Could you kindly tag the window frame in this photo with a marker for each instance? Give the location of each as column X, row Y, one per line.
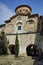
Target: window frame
column 19, row 23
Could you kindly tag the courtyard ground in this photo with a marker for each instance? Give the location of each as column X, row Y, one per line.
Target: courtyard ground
column 21, row 60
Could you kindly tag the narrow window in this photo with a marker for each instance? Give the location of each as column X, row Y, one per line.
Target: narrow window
column 19, row 27
column 20, row 11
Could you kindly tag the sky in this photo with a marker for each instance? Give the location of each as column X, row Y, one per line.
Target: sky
column 7, row 7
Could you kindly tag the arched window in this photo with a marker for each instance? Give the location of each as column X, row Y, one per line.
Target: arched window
column 23, row 9
column 30, row 21
column 31, row 24
column 19, row 27
column 26, row 10
column 20, row 11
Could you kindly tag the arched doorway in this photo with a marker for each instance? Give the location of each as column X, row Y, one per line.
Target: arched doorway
column 32, row 50
column 12, row 48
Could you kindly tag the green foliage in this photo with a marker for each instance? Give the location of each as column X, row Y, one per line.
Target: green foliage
column 16, row 46
column 3, row 43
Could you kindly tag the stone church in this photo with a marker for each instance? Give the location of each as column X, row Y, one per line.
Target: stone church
column 27, row 25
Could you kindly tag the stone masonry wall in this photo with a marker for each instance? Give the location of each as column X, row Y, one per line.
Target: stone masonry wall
column 24, row 41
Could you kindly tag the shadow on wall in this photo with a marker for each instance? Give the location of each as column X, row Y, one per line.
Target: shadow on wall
column 38, row 60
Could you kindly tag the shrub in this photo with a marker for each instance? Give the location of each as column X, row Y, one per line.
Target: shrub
column 3, row 43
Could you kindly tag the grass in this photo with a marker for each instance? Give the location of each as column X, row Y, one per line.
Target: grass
column 11, row 60
column 21, row 60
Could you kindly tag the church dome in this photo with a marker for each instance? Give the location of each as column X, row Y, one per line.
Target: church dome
column 23, row 9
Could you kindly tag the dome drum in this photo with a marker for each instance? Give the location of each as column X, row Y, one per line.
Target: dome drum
column 23, row 9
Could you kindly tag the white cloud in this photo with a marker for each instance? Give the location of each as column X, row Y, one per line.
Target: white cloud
column 5, row 13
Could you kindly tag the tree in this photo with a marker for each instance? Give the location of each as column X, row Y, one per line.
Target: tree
column 16, row 46
column 3, row 43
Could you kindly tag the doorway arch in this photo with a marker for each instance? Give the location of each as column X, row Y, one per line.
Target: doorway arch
column 31, row 50
column 12, row 49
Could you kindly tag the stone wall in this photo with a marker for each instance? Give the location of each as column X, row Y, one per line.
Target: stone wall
column 11, row 27
column 24, row 41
